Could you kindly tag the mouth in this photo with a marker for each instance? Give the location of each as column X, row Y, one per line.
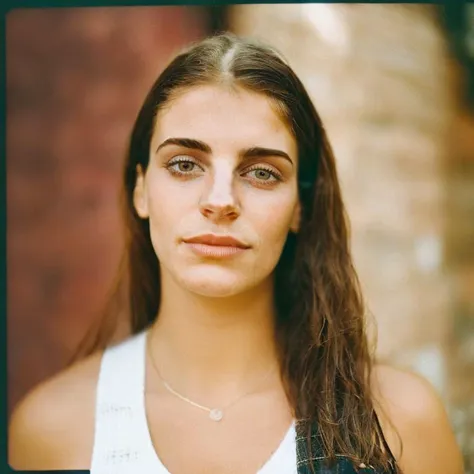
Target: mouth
column 216, row 246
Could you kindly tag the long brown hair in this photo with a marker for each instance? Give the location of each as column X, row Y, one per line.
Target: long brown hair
column 325, row 357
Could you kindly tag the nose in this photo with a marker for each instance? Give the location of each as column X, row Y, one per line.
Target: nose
column 218, row 201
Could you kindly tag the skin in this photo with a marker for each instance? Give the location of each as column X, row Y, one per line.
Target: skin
column 218, row 306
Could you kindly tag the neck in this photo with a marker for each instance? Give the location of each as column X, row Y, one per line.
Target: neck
column 213, row 348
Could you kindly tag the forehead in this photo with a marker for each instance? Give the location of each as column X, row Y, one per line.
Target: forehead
column 221, row 116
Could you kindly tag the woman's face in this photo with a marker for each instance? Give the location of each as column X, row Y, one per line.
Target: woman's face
column 220, row 190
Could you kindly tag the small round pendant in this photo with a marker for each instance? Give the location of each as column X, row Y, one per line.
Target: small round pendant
column 216, row 414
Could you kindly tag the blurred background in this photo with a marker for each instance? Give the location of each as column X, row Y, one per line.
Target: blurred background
column 394, row 85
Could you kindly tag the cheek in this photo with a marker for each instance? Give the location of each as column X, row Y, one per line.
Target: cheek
column 165, row 202
column 272, row 223
column 274, row 231
column 171, row 213
column 164, row 215
column 273, row 212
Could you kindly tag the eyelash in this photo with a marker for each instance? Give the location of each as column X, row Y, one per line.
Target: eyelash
column 175, row 161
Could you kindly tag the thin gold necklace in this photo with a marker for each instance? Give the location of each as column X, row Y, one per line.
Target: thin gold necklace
column 215, row 414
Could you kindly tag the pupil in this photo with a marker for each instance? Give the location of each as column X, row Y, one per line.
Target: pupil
column 185, row 166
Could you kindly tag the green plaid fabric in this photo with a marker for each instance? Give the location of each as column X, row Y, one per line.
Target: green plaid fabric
column 320, row 463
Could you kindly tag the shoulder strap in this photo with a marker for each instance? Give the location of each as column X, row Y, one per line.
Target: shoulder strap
column 122, row 372
column 120, row 435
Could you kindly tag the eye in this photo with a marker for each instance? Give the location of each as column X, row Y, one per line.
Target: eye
column 183, row 165
column 263, row 175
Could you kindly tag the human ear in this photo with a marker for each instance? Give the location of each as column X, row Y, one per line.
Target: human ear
column 139, row 194
column 296, row 218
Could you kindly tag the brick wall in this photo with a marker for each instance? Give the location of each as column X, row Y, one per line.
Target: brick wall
column 459, row 263
column 389, row 94
column 385, row 105
column 75, row 81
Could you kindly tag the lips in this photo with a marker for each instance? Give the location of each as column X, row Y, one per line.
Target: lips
column 217, row 241
column 214, row 247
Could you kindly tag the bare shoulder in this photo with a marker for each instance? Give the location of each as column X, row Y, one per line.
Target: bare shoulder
column 415, row 422
column 53, row 426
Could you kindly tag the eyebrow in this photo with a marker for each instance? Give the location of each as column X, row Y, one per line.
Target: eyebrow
column 253, row 152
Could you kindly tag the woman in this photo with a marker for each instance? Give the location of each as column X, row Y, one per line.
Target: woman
column 248, row 351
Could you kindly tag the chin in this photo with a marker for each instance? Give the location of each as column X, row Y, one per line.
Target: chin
column 216, row 282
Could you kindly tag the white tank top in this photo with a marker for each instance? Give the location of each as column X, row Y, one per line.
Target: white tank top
column 122, row 441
